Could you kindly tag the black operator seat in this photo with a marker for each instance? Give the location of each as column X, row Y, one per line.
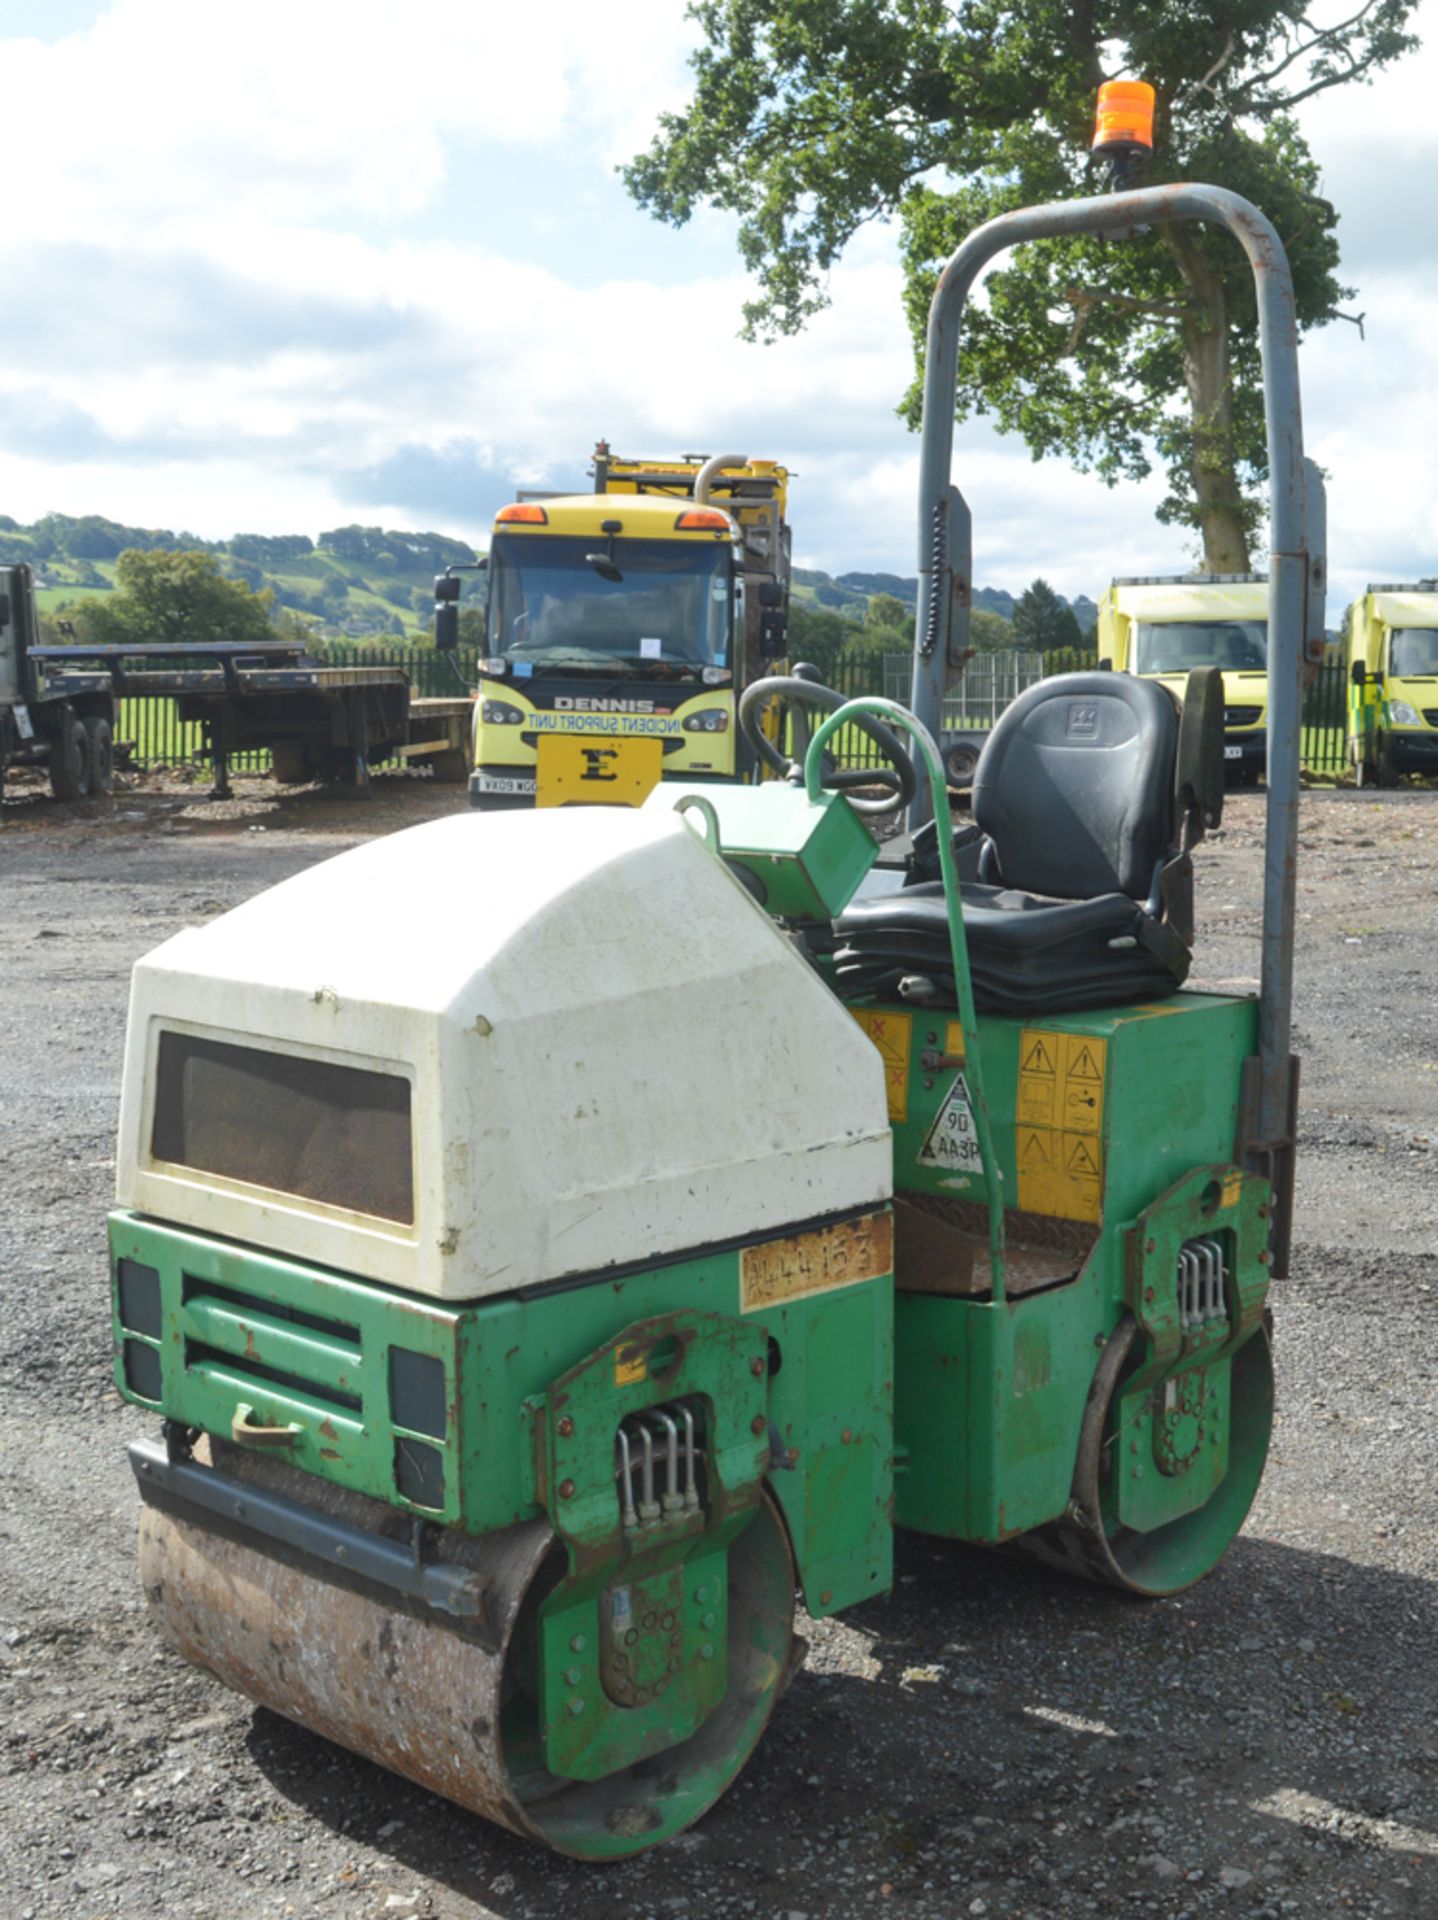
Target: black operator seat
column 1090, row 793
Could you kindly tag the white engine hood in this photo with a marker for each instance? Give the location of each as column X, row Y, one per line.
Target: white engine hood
column 614, row 1056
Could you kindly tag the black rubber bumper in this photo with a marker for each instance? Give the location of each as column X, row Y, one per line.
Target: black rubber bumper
column 1252, row 755
column 1415, row 752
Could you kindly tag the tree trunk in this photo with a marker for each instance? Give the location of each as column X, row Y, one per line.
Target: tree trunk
column 1212, row 463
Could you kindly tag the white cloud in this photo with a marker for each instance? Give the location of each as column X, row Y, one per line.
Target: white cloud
column 175, row 112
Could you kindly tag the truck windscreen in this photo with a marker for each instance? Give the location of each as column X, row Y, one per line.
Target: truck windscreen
column 572, row 602
column 1413, row 652
column 1174, row 646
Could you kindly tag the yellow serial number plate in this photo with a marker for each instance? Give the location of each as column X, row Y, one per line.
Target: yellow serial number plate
column 818, row 1262
column 576, row 769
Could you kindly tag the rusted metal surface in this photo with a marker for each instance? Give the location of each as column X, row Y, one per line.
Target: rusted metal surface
column 414, row 1695
column 943, row 1247
column 437, row 1705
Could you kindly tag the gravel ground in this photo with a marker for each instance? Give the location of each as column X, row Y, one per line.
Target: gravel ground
column 988, row 1739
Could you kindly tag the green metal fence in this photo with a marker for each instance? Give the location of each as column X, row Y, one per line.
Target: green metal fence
column 1325, row 719
column 159, row 738
column 1325, row 704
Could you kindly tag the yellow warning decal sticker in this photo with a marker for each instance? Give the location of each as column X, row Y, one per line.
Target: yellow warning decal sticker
column 892, row 1034
column 818, row 1262
column 954, row 1039
column 1058, row 1140
column 630, row 1366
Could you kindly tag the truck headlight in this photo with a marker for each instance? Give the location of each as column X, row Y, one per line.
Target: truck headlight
column 708, row 720
column 499, row 713
column 1403, row 715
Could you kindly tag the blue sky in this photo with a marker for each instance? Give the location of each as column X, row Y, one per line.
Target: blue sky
column 273, row 267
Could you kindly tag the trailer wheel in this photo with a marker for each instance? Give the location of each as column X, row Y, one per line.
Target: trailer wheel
column 353, row 772
column 290, row 763
column 101, row 741
column 70, row 760
column 960, row 764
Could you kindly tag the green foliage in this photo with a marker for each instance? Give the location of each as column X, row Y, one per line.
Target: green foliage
column 886, row 611
column 866, row 630
column 391, row 551
column 270, row 549
column 990, row 632
column 174, row 599
column 812, row 117
column 290, row 626
column 93, row 537
column 815, row 633
column 369, row 581
column 891, row 583
column 1081, row 659
column 471, row 628
column 1042, row 622
column 825, row 639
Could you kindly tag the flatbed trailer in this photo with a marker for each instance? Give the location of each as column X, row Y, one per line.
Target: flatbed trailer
column 316, row 721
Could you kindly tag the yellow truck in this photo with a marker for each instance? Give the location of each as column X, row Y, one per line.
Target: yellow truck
column 620, row 627
column 1162, row 627
column 1392, row 651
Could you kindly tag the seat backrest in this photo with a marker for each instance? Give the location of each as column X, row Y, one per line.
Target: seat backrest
column 1075, row 786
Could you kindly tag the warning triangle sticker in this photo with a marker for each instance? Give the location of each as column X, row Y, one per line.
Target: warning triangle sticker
column 1035, row 1151
column 1083, row 1066
column 952, row 1141
column 1082, row 1159
column 1038, row 1059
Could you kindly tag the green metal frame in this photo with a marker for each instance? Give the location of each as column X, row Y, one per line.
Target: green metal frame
column 830, row 1402
column 806, row 854
column 897, row 716
column 991, row 1389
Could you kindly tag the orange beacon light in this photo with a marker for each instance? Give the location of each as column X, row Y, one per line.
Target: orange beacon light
column 1123, row 129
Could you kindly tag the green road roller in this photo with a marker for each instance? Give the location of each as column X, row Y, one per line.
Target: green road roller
column 551, row 1243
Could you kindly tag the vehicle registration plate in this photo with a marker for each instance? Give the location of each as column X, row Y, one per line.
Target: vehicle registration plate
column 1233, row 753
column 504, row 782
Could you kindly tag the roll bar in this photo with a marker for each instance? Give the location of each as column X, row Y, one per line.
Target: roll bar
column 1295, row 576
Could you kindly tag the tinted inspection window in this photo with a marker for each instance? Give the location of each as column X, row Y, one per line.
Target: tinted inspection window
column 339, row 1135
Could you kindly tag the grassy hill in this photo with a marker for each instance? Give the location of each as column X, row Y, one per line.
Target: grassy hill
column 850, row 594
column 356, row 582
column 353, row 582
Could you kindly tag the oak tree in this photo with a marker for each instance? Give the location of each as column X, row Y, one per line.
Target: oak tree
column 812, row 117
column 175, row 599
